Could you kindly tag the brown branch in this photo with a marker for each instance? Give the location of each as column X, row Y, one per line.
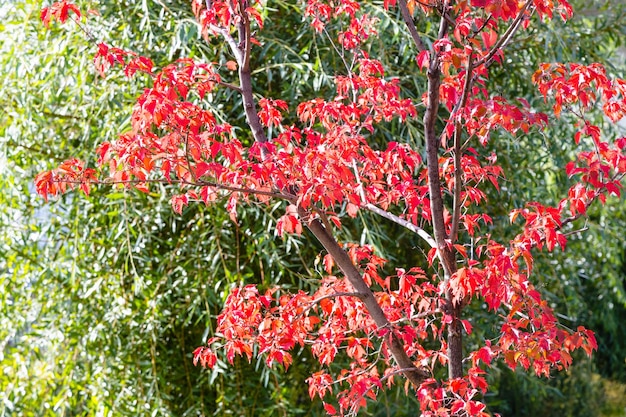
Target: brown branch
column 432, row 157
column 245, row 81
column 412, row 373
column 283, row 196
column 90, row 36
column 506, row 36
column 232, row 43
column 336, row 294
column 458, row 171
column 390, row 216
column 446, row 255
column 410, row 24
column 228, row 85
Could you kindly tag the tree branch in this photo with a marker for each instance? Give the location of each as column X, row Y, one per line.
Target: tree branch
column 402, row 222
column 458, row 171
column 410, row 24
column 390, row 216
column 245, row 81
column 283, row 196
column 446, row 255
column 232, row 43
column 412, row 373
column 505, row 38
column 432, row 157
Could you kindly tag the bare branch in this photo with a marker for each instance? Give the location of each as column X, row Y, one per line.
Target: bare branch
column 232, row 43
column 229, row 86
column 458, row 171
column 390, row 216
column 334, row 295
column 402, row 222
column 575, row 232
column 410, row 24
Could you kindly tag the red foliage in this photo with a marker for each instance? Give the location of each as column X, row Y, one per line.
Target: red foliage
column 325, row 168
column 59, row 10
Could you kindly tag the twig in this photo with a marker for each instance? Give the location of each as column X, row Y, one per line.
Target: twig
column 402, row 222
column 458, row 171
column 574, row 232
column 506, row 36
column 390, row 216
column 289, row 197
column 228, row 85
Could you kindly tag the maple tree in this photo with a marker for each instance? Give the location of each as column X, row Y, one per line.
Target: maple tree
column 326, row 167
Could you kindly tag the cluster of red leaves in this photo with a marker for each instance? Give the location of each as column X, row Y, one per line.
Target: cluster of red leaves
column 225, row 14
column 107, row 56
column 67, row 176
column 59, row 11
column 325, row 167
column 330, row 321
column 571, row 84
column 603, row 167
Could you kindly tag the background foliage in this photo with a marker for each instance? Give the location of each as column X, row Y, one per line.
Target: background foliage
column 104, row 298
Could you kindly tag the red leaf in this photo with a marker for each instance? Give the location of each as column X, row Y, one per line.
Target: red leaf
column 330, row 409
column 423, row 59
column 467, row 326
column 328, row 262
column 59, row 10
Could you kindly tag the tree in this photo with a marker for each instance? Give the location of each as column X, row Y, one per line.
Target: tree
column 327, row 163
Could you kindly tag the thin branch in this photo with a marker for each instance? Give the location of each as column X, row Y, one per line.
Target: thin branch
column 312, row 303
column 289, row 197
column 575, row 232
column 336, row 294
column 506, row 36
column 85, row 31
column 418, row 316
column 191, row 171
column 458, row 171
column 616, row 177
column 393, row 373
column 228, row 85
column 390, row 216
column 232, row 43
column 402, row 222
column 410, row 24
